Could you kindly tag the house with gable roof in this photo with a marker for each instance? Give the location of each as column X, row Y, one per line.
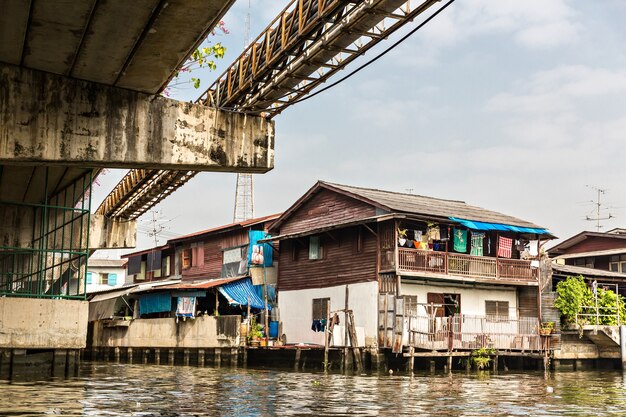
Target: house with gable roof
column 413, row 270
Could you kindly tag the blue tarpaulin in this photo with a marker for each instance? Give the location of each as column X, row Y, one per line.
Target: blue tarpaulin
column 476, row 225
column 259, row 253
column 155, row 303
column 238, row 292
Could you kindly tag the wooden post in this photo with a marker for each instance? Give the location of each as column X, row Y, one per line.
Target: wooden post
column 354, row 342
column 116, row 353
column 146, row 354
column 432, row 366
column 327, row 335
column 170, row 356
column 186, row 357
column 450, row 364
column 267, row 324
column 296, row 363
column 345, row 330
column 495, row 363
column 157, row 356
column 130, row 355
column 411, row 359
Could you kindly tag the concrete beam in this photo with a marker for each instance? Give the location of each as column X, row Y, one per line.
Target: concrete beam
column 105, row 233
column 46, row 118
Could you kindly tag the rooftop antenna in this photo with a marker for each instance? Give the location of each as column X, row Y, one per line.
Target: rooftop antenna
column 598, row 204
column 244, row 193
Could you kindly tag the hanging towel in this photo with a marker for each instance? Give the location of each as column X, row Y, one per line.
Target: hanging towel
column 504, row 247
column 460, row 240
column 433, row 233
column 489, row 245
column 186, row 307
column 477, row 244
column 417, row 235
column 444, row 233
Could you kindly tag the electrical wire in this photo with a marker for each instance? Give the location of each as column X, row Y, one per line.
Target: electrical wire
column 352, row 73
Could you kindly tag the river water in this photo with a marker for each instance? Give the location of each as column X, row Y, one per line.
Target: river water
column 104, row 389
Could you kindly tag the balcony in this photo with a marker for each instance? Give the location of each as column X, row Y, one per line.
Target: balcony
column 458, row 265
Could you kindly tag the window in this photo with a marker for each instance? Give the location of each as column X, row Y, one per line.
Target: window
column 103, row 278
column 315, row 251
column 618, row 263
column 89, row 277
column 320, row 308
column 142, row 272
column 585, row 262
column 410, row 305
column 359, row 241
column 112, row 279
column 165, row 266
column 186, row 257
column 497, row 310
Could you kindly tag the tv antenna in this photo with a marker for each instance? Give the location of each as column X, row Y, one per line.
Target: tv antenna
column 598, row 204
column 244, row 192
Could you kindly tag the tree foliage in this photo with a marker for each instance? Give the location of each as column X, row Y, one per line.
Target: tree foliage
column 575, row 297
column 203, row 57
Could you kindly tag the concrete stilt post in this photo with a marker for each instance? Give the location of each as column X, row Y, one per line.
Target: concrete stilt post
column 622, row 344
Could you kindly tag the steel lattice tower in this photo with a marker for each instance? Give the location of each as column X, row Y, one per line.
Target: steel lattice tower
column 244, row 198
column 244, row 194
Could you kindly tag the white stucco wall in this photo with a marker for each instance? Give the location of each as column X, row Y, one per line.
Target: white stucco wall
column 472, row 299
column 296, row 310
column 97, row 270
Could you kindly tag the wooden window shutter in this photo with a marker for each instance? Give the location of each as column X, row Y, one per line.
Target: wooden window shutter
column 200, row 254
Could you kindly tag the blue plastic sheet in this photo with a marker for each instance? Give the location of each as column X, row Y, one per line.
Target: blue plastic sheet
column 239, row 292
column 259, row 253
column 155, row 303
column 476, row 225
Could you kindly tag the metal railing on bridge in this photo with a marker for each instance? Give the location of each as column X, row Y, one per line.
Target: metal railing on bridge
column 308, row 42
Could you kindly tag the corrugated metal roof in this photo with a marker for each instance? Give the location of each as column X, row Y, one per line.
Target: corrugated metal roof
column 223, row 228
column 108, row 263
column 605, row 252
column 417, row 204
column 579, row 270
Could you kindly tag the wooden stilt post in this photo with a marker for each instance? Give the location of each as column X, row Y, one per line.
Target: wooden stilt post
column 450, row 364
column 411, row 359
column 327, row 335
column 354, row 342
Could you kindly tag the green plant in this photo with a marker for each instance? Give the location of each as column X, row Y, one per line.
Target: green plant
column 573, row 294
column 256, row 329
column 547, row 327
column 481, row 358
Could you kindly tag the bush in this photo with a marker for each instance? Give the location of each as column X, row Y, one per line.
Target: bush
column 574, row 295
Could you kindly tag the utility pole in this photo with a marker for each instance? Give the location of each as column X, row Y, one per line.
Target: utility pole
column 598, row 205
column 157, row 228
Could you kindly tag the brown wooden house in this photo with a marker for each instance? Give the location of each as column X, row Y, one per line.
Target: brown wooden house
column 598, row 250
column 387, row 256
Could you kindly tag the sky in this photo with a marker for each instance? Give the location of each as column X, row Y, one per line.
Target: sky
column 514, row 106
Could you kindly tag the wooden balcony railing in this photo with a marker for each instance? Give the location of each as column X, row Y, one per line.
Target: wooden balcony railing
column 455, row 264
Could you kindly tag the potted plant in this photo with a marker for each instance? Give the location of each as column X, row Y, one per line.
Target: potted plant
column 546, row 328
column 401, row 236
column 256, row 332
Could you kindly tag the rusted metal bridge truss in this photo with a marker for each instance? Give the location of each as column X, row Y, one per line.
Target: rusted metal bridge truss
column 305, row 45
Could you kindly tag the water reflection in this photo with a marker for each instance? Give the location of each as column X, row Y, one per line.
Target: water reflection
column 151, row 390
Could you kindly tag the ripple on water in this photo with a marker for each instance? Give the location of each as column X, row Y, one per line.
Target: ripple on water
column 150, row 390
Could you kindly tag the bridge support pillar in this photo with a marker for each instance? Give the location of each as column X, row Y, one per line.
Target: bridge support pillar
column 622, row 345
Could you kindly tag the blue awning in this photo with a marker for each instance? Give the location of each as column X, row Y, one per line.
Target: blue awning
column 238, row 293
column 476, row 225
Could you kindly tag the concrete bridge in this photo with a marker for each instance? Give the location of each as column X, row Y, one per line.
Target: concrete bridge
column 79, row 91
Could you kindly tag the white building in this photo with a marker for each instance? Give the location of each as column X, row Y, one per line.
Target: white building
column 105, row 274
